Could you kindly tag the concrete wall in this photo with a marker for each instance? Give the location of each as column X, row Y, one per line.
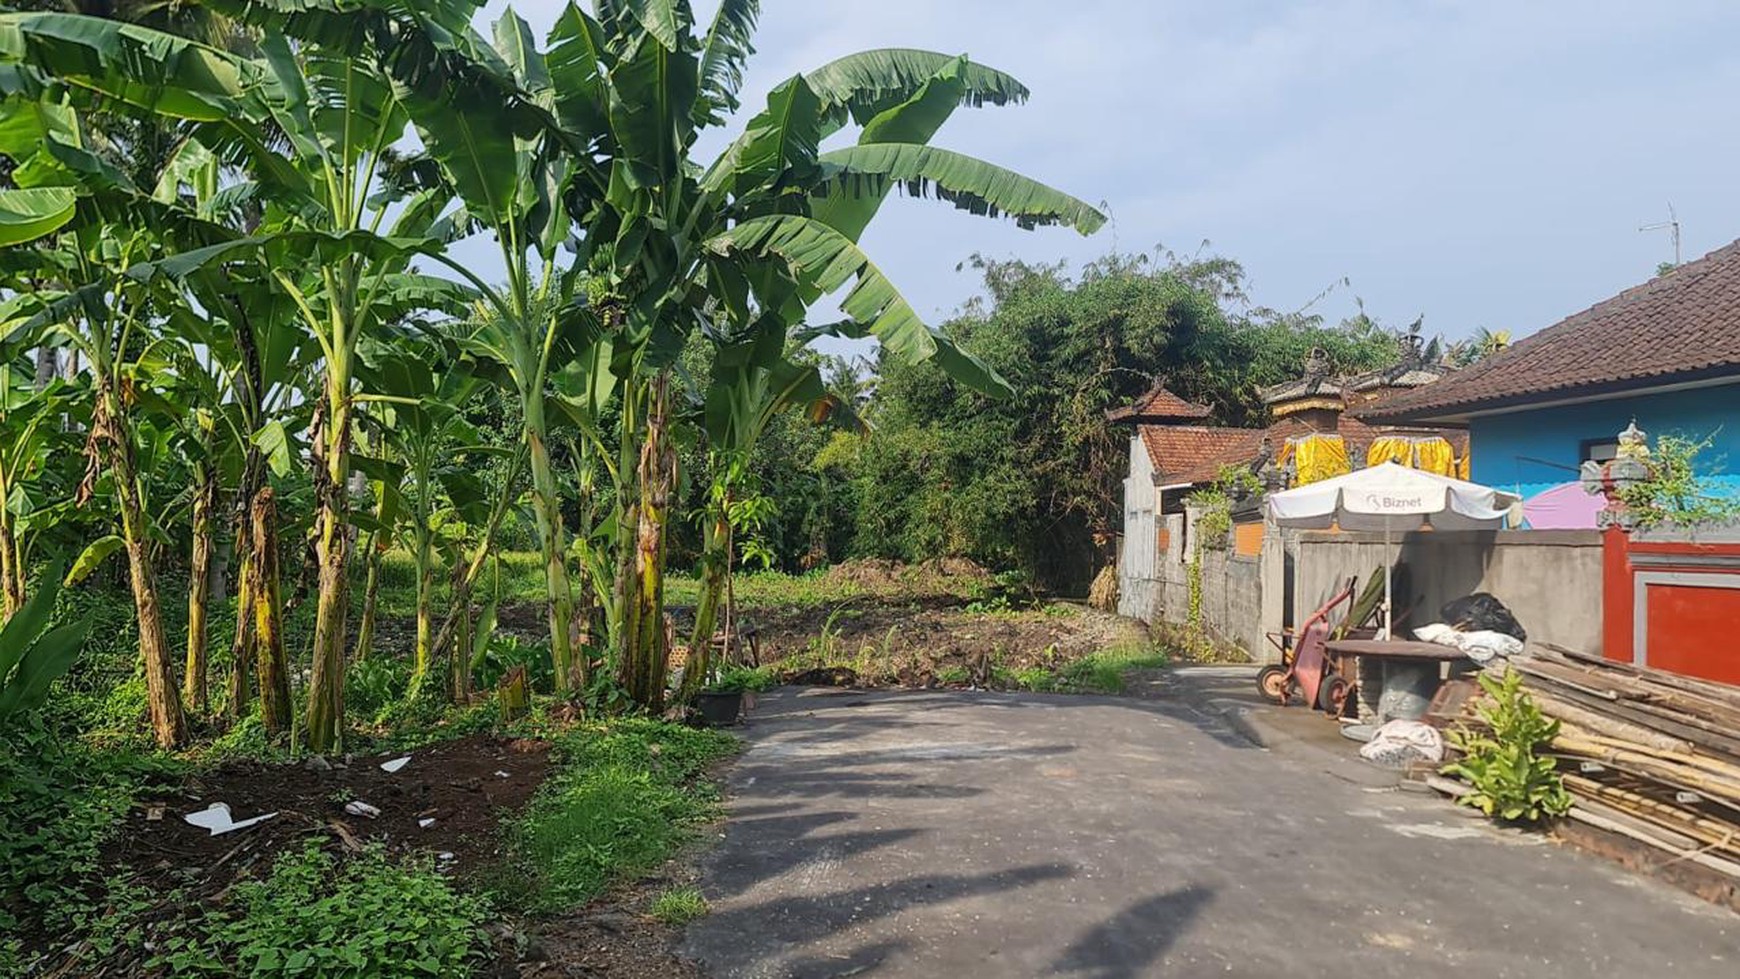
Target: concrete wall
column 1232, row 598
column 1136, row 551
column 1232, row 590
column 1550, row 579
column 1537, row 446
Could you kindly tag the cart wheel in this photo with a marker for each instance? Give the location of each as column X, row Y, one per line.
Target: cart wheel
column 1332, row 695
column 1276, row 683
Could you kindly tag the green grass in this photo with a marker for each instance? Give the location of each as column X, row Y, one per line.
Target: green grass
column 521, row 580
column 628, row 795
column 1103, row 672
column 679, row 906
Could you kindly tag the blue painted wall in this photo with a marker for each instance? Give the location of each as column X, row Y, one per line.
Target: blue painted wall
column 1545, row 445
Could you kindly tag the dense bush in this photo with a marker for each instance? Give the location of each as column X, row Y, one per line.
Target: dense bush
column 1035, row 481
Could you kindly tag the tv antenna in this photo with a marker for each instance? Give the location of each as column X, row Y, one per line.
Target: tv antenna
column 1671, row 226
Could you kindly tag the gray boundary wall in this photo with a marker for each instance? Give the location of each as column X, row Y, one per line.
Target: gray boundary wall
column 1550, row 579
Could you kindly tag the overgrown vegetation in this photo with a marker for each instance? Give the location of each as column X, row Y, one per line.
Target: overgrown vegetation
column 1508, row 778
column 1676, row 490
column 317, row 915
column 1035, row 481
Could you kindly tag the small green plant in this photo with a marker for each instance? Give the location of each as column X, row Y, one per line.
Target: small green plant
column 679, row 906
column 315, row 915
column 506, row 651
column 736, row 678
column 1103, row 671
column 371, row 685
column 1510, row 781
column 34, row 652
column 953, row 676
column 1675, row 492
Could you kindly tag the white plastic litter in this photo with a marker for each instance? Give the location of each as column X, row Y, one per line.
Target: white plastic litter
column 1480, row 646
column 216, row 819
column 1437, row 632
column 501, row 774
column 361, row 808
column 397, row 763
column 1399, row 742
column 425, row 823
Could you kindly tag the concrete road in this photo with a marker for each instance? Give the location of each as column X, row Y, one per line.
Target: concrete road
column 963, row 835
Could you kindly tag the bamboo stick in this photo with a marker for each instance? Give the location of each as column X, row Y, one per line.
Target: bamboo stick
column 1595, row 819
column 1716, row 835
column 1600, row 724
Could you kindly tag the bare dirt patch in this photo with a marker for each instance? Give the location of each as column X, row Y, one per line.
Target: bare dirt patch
column 465, row 786
column 933, row 642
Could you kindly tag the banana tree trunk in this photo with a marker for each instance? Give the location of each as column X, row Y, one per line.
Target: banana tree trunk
column 113, row 440
column 715, row 569
column 365, row 630
column 425, row 557
column 645, row 657
column 266, row 604
column 547, row 508
column 459, row 655
column 242, row 645
column 332, row 554
column 194, row 684
column 11, row 578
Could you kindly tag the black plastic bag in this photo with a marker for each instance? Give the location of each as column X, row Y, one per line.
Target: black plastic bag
column 1481, row 612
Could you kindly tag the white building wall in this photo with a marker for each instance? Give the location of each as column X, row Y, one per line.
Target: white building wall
column 1137, row 592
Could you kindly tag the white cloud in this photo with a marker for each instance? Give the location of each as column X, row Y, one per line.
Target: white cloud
column 1486, row 163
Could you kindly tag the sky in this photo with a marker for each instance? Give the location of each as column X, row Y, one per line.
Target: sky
column 1483, row 164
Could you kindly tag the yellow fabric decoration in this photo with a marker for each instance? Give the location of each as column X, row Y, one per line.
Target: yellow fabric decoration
column 1390, row 448
column 1463, row 465
column 1435, row 456
column 1319, row 457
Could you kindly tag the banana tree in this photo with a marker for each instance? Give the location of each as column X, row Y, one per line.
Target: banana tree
column 671, row 247
column 752, row 382
column 315, row 131
column 35, row 482
column 427, row 480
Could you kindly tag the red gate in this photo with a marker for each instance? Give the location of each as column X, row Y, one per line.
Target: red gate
column 1673, row 604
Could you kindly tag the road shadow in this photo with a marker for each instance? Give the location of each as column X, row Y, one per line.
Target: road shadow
column 1124, row 946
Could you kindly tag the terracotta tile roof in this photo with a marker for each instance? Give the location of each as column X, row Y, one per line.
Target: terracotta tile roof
column 1676, row 327
column 1159, row 404
column 1356, row 434
column 1174, row 449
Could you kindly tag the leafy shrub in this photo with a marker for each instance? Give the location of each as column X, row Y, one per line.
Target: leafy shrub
column 507, row 651
column 62, row 803
column 317, row 916
column 371, row 685
column 734, row 678
column 1509, row 780
column 1675, row 491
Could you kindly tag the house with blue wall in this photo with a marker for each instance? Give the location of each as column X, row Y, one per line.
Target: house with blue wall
column 1665, row 354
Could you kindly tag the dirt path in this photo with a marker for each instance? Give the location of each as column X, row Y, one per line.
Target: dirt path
column 1006, row 835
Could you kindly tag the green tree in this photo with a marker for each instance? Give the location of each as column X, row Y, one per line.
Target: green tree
column 1035, row 481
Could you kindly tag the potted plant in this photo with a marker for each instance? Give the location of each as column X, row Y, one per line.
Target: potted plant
column 731, row 692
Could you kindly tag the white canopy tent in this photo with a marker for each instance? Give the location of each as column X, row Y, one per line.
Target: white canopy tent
column 1389, row 497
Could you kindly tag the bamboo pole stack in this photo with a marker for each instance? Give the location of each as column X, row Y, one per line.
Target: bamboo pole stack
column 1649, row 755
